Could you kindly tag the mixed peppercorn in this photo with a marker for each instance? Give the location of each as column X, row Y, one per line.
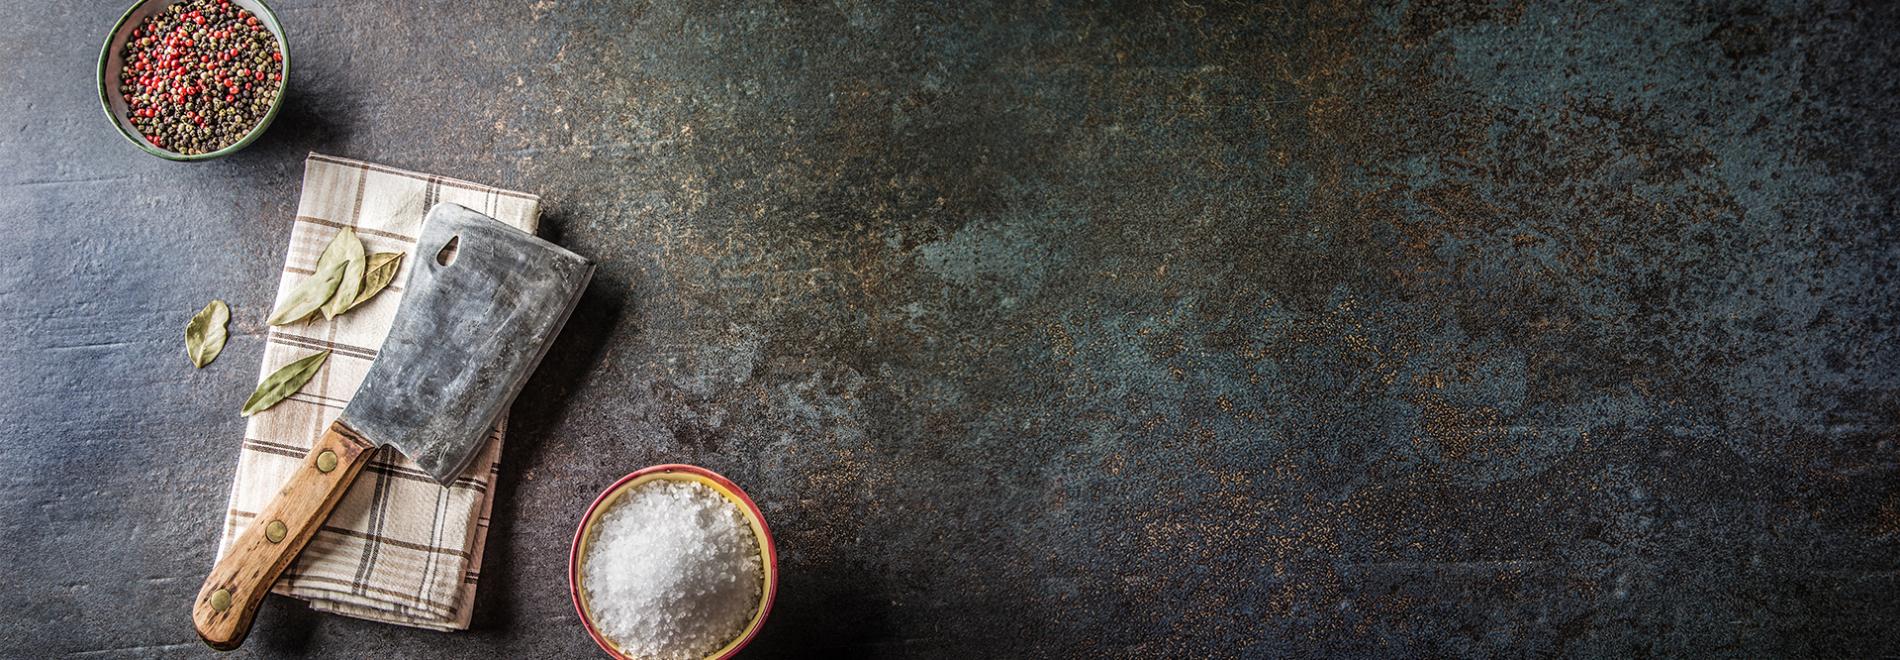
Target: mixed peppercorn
column 199, row 75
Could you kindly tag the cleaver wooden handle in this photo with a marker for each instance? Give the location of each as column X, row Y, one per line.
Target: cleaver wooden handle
column 230, row 596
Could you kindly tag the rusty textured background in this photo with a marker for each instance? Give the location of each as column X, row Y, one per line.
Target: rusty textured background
column 1147, row 329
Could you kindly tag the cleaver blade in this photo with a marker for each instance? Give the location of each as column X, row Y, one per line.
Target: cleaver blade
column 483, row 302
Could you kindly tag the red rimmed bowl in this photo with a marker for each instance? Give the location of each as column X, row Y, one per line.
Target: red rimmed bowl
column 768, row 553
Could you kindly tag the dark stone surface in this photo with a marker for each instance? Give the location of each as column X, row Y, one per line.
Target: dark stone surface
column 1444, row 328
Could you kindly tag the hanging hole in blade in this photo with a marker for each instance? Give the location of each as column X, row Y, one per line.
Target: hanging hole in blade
column 446, row 255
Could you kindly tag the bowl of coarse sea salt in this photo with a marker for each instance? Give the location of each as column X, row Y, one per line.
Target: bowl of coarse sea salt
column 673, row 562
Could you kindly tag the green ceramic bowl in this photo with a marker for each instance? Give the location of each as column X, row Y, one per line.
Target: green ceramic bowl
column 114, row 103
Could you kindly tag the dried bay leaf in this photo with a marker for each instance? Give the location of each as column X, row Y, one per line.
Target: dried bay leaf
column 284, row 382
column 308, row 295
column 351, row 253
column 205, row 333
column 382, row 270
column 317, row 289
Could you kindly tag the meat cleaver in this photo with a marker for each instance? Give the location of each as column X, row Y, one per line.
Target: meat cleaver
column 483, row 302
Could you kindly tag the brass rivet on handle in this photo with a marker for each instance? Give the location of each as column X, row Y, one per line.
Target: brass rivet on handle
column 221, row 600
column 275, row 531
column 326, row 461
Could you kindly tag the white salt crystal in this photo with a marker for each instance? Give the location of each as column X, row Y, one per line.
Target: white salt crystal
column 672, row 571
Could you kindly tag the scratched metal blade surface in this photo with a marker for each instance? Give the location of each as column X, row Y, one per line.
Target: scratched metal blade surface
column 466, row 337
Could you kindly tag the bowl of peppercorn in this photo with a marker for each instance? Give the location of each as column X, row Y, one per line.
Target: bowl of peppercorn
column 194, row 79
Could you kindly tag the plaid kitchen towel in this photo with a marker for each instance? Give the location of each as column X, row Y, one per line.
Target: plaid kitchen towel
column 399, row 548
